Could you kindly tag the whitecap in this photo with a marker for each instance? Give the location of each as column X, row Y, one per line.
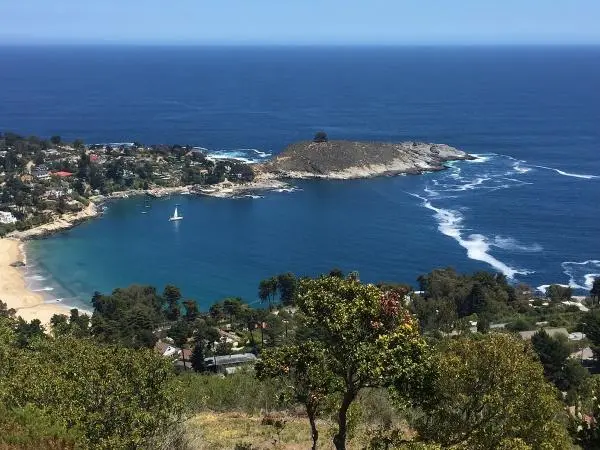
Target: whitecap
column 508, row 243
column 517, row 167
column 481, row 158
column 247, row 155
column 581, row 274
column 569, row 174
column 261, row 153
column 47, row 288
column 477, row 246
column 253, row 196
column 544, row 287
column 37, row 278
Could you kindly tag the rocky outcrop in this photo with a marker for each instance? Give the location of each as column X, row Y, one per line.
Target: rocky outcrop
column 345, row 159
column 61, row 223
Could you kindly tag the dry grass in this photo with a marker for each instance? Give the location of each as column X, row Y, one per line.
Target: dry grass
column 209, row 430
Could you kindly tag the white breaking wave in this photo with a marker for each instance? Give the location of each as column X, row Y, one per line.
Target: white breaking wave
column 481, row 158
column 520, row 169
column 581, row 274
column 261, row 154
column 544, row 287
column 37, row 278
column 508, row 243
column 248, row 196
column 247, row 155
column 569, row 174
column 48, row 288
column 477, row 246
column 288, row 189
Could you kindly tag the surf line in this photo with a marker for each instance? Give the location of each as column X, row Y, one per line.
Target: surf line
column 567, row 174
column 477, row 245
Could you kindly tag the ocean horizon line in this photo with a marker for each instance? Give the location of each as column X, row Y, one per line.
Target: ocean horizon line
column 302, row 45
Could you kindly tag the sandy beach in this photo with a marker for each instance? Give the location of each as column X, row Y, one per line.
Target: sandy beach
column 13, row 290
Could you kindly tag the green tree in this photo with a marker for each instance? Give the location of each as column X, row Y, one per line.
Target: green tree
column 180, row 332
column 197, row 358
column 304, row 371
column 116, row 397
column 267, row 290
column 320, row 136
column 191, row 309
column 56, row 140
column 287, row 284
column 553, row 353
column 172, row 295
column 590, row 325
column 216, row 311
column 28, row 333
column 204, row 337
column 5, row 311
column 488, row 391
column 595, row 291
column 337, row 273
column 368, row 338
column 558, row 293
column 78, row 144
column 129, row 316
column 483, row 324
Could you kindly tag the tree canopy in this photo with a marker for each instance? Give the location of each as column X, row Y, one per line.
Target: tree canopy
column 320, row 136
column 366, row 337
column 112, row 397
column 487, row 392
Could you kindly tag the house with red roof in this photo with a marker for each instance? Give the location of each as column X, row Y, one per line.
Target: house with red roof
column 62, row 174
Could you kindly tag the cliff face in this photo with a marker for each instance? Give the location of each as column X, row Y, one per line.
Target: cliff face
column 345, row 159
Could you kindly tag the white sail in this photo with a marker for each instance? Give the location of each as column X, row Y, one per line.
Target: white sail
column 176, row 215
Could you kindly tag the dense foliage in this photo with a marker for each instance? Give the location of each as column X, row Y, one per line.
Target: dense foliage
column 87, row 394
column 350, row 354
column 360, row 337
column 487, row 392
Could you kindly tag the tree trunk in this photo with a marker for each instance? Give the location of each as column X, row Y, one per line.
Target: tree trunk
column 339, row 440
column 313, row 426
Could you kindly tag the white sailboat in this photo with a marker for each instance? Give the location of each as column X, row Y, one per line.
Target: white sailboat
column 175, row 216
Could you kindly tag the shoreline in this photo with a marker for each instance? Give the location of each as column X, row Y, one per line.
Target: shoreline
column 14, row 291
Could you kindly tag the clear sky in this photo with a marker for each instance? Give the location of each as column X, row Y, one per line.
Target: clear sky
column 301, row 21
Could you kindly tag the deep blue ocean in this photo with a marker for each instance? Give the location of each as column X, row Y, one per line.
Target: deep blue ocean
column 529, row 207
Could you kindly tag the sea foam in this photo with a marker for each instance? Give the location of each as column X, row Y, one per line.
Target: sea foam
column 581, row 274
column 450, row 223
column 569, row 174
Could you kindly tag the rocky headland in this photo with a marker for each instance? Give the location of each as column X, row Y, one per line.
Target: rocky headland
column 346, row 159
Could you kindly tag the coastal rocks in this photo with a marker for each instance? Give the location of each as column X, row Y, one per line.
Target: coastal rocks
column 17, row 264
column 346, row 160
column 166, row 191
column 61, row 223
column 227, row 189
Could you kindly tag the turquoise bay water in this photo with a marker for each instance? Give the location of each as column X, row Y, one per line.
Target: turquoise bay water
column 528, row 208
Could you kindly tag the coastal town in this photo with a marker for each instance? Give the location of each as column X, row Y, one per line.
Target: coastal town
column 47, row 184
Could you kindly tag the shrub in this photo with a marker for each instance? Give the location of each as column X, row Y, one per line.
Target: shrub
column 320, row 136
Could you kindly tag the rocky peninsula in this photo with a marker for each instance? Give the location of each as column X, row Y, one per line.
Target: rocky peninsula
column 346, row 159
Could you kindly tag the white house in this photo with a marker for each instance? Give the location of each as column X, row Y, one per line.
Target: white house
column 7, row 217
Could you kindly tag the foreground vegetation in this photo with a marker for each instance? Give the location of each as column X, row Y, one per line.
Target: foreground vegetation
column 341, row 364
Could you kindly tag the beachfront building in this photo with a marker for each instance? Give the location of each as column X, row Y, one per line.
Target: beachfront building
column 7, row 217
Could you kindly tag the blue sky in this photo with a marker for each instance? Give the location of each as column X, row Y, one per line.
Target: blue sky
column 301, row 21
